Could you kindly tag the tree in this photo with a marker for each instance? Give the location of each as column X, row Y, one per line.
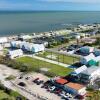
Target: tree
column 97, row 41
column 24, row 68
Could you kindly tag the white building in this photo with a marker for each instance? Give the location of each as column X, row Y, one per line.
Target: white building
column 7, row 45
column 90, row 73
column 3, row 40
column 86, row 59
column 97, row 58
column 25, row 37
column 15, row 44
column 34, row 48
column 15, row 53
column 79, row 70
column 26, row 46
column 1, row 47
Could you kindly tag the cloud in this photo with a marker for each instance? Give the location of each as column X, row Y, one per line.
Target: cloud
column 73, row 1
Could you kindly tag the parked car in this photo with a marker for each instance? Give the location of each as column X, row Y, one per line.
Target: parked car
column 57, row 91
column 20, row 77
column 35, row 80
column 27, row 78
column 51, row 88
column 79, row 97
column 22, row 84
column 39, row 82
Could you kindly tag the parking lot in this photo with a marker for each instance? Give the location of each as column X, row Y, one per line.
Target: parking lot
column 32, row 83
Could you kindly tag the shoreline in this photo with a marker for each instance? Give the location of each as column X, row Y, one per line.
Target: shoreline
column 55, row 30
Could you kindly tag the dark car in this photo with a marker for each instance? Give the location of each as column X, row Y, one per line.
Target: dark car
column 35, row 80
column 39, row 82
column 22, row 84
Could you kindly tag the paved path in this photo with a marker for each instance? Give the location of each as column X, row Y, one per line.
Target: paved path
column 47, row 60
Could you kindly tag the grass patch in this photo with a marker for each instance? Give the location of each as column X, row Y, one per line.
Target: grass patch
column 59, row 57
column 11, row 77
column 12, row 96
column 37, row 64
column 4, row 95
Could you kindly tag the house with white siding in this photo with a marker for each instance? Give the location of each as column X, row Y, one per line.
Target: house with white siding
column 15, row 53
column 15, row 44
column 3, row 40
column 86, row 59
column 90, row 74
column 79, row 70
column 25, row 37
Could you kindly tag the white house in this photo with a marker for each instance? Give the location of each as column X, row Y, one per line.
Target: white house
column 7, row 45
column 26, row 46
column 86, row 59
column 3, row 40
column 97, row 58
column 32, row 47
column 15, row 53
column 15, row 44
column 79, row 70
column 25, row 37
column 37, row 48
column 91, row 73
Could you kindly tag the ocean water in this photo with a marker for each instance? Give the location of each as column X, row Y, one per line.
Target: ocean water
column 12, row 23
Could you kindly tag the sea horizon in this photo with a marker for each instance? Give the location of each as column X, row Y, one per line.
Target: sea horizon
column 16, row 22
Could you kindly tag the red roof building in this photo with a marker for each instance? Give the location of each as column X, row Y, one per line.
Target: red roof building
column 61, row 81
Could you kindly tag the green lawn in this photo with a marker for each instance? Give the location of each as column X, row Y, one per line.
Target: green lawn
column 3, row 95
column 52, row 68
column 60, row 57
column 11, row 96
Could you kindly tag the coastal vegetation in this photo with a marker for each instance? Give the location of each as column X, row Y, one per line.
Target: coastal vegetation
column 8, row 94
column 93, row 95
column 54, row 42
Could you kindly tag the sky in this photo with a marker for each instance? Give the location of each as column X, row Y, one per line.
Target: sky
column 65, row 5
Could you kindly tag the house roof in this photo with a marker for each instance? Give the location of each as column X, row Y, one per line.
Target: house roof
column 89, row 57
column 61, row 81
column 75, row 86
column 90, row 70
column 14, row 52
column 80, row 69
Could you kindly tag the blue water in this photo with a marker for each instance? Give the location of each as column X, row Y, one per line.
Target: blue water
column 29, row 22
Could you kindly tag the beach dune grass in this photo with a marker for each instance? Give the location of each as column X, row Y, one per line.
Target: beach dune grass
column 53, row 68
